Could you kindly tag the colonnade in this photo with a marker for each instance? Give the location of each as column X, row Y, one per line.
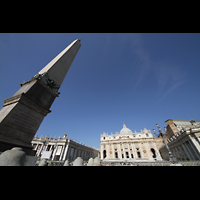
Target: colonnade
column 63, row 149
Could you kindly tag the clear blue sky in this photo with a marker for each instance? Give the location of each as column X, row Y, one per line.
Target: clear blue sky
column 138, row 79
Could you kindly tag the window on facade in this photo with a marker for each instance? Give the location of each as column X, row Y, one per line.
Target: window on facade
column 127, row 155
column 116, row 155
column 147, row 135
column 104, row 138
column 104, row 153
column 131, row 155
column 138, row 153
column 122, row 155
column 154, row 153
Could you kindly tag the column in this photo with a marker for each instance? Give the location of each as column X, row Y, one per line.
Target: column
column 54, row 152
column 195, row 146
column 46, row 147
column 179, row 155
column 101, row 151
column 65, row 152
column 124, row 151
column 41, row 149
column 140, row 148
column 196, row 143
column 119, row 151
column 81, row 153
column 107, row 151
column 62, row 151
column 129, row 151
column 147, row 147
column 113, row 151
column 189, row 151
column 183, row 152
column 71, row 153
column 84, row 155
column 174, row 152
column 36, row 146
column 186, row 151
column 192, row 149
column 68, row 153
column 77, row 153
column 74, row 156
column 134, row 152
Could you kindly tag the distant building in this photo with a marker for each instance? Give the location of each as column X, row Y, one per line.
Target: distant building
column 183, row 139
column 127, row 145
column 62, row 149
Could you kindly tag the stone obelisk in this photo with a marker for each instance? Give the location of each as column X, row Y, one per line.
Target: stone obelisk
column 23, row 113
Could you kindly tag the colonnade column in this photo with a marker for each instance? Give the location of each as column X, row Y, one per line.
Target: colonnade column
column 182, row 152
column 188, row 151
column 54, row 152
column 194, row 147
column 40, row 149
column 65, row 153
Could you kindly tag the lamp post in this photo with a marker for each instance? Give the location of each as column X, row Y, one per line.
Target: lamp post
column 172, row 158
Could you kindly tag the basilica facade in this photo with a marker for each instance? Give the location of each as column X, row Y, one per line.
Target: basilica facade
column 127, row 145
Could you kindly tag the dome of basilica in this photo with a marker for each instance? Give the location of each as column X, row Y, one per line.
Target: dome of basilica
column 125, row 130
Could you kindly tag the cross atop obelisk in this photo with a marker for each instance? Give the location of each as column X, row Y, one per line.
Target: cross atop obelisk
column 23, row 113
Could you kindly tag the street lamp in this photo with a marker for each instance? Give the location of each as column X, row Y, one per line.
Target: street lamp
column 172, row 158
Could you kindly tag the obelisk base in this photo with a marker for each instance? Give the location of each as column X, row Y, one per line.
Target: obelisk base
column 22, row 115
column 8, row 145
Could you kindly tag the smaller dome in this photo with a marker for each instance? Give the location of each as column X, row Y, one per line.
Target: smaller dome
column 125, row 130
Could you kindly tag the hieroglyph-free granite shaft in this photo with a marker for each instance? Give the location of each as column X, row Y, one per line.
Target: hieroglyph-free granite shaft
column 23, row 113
